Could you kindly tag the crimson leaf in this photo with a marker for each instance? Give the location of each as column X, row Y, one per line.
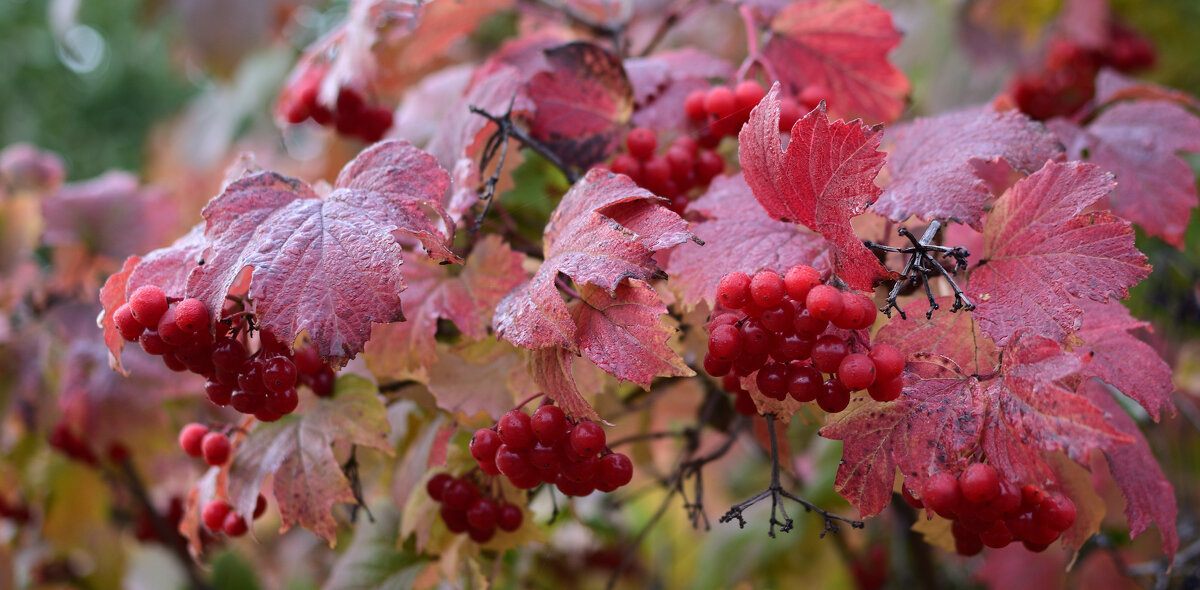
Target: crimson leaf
column 934, row 164
column 841, row 45
column 825, row 177
column 1121, row 359
column 661, row 82
column 1139, row 143
column 1041, row 249
column 329, row 266
column 738, row 236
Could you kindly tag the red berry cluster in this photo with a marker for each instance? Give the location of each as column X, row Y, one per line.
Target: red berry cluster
column 682, row 167
column 219, row 517
column 989, row 511
column 550, row 448
column 262, row 383
column 466, row 510
column 723, row 110
column 198, row 441
column 786, row 329
column 1067, row 79
column 353, row 116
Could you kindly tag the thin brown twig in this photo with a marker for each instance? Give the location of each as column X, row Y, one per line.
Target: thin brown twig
column 171, row 538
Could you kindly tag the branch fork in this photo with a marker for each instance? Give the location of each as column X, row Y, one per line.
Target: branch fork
column 921, row 264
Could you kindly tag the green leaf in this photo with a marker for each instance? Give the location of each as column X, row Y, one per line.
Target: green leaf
column 373, row 561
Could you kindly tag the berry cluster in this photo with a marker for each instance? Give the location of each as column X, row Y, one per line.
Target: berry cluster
column 1067, row 78
column 988, row 511
column 352, row 116
column 198, row 441
column 723, row 110
column 262, row 383
column 791, row 330
column 466, row 510
column 550, row 448
column 218, row 516
column 682, row 167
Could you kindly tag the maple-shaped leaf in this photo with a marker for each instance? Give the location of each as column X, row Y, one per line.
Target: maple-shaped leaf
column 842, row 46
column 330, row 266
column 934, row 163
column 583, row 102
column 485, row 376
column 465, row 295
column 603, row 235
column 111, row 215
column 955, row 336
column 296, row 449
column 1120, row 359
column 1149, row 495
column 825, row 177
column 1139, row 142
column 661, row 82
column 738, row 236
column 1014, row 414
column 1041, row 249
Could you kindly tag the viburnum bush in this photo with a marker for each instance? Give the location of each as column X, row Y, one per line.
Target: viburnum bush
column 558, row 306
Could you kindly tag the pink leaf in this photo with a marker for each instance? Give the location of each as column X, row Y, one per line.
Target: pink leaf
column 661, row 82
column 328, row 266
column 111, row 215
column 1139, row 143
column 1121, row 359
column 551, row 369
column 738, row 236
column 841, row 45
column 955, row 336
column 825, row 177
column 934, row 164
column 113, row 295
column 1041, row 249
column 622, row 334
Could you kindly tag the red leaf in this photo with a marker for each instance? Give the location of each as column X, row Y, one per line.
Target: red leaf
column 113, row 295
column 603, row 233
column 622, row 334
column 934, row 164
column 1121, row 359
column 955, row 336
column 168, row 268
column 111, row 215
column 329, row 266
column 1149, row 496
column 738, row 236
column 308, row 478
column 583, row 102
column 467, row 297
column 825, row 177
column 1138, row 142
column 841, row 45
column 661, row 82
column 1112, row 87
column 1041, row 249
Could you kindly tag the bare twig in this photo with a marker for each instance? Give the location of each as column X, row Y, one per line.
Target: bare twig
column 776, row 493
column 921, row 264
column 350, row 468
column 510, row 128
column 170, row 538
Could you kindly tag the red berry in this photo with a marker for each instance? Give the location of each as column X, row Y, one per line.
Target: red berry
column 459, row 494
column 656, row 173
column 169, row 331
column 811, row 96
column 217, row 393
column 454, row 518
column 908, row 496
column 966, row 543
column 513, row 462
column 744, row 404
column 996, row 535
column 148, row 304
column 725, row 343
column 214, row 514
column 889, row 361
column 615, row 470
column 693, row 106
column 549, row 423
column 587, row 438
column 808, row 326
column 858, row 312
column 191, row 439
column 436, row 485
column 942, row 495
column 279, row 374
column 756, row 340
column 191, row 315
column 799, row 280
column 834, row 397
column 641, row 143
column 1056, row 512
column 126, row 324
column 708, row 165
column 789, row 113
column 235, row 525
column 510, row 517
column 766, row 289
column 748, row 94
column 683, row 164
column 484, row 444
column 247, row 402
column 979, row 483
column 516, row 429
column 260, row 506
column 804, row 382
column 734, row 290
column 828, row 352
column 627, row 165
column 824, row 302
column 792, row 347
column 482, row 514
column 856, row 371
column 716, row 367
column 228, row 354
column 307, row 361
column 215, row 447
column 886, row 390
column 720, row 102
column 282, row 402
column 772, row 380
